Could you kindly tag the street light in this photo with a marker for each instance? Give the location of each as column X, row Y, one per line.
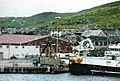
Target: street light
column 57, row 35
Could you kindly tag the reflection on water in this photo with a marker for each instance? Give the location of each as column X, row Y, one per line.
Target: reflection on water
column 55, row 77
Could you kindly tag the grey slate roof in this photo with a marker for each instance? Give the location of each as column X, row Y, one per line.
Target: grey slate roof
column 88, row 33
column 112, row 32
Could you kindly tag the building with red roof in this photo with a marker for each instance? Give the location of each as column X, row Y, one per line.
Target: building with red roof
column 18, row 39
column 22, row 45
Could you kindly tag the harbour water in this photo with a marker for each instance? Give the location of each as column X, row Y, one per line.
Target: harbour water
column 55, row 77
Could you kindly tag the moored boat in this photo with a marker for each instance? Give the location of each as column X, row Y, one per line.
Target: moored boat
column 109, row 64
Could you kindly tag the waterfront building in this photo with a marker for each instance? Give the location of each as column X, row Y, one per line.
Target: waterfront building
column 18, row 51
column 21, row 46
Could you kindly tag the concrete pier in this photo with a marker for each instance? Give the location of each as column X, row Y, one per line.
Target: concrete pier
column 31, row 70
column 26, row 67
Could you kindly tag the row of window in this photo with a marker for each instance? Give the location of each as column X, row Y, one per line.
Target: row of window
column 16, row 46
column 25, row 55
column 103, row 43
column 114, row 49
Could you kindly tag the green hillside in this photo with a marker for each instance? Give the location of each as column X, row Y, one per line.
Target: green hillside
column 34, row 21
column 104, row 16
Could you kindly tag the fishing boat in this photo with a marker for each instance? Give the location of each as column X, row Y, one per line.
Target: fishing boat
column 82, row 64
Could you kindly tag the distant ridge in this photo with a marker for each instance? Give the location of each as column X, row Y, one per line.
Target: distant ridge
column 104, row 16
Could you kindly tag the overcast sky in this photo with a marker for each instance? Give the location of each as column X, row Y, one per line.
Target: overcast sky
column 31, row 7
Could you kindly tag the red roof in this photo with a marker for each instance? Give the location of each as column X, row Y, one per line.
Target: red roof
column 18, row 39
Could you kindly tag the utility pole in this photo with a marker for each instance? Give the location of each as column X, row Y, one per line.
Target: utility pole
column 57, row 35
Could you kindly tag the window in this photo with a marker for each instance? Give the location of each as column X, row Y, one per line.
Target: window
column 100, row 43
column 96, row 43
column 16, row 46
column 36, row 46
column 22, row 54
column 23, row 47
column 16, row 54
column 105, row 43
column 112, row 42
column 0, row 46
column 7, row 46
column 108, row 61
column 112, row 49
column 116, row 49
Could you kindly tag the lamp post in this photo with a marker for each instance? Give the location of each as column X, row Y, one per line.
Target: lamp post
column 57, row 35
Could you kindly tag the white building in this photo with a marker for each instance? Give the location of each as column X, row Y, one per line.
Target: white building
column 7, row 51
column 55, row 33
column 88, row 33
column 19, row 46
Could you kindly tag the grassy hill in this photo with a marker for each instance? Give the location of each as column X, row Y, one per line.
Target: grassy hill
column 33, row 21
column 104, row 16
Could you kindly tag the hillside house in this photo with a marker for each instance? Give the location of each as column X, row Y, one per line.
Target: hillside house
column 55, row 33
column 101, row 38
column 89, row 33
column 68, row 31
column 112, row 32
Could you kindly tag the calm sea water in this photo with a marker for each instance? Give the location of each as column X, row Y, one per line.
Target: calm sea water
column 55, row 77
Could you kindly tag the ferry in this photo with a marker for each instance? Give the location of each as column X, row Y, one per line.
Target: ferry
column 109, row 64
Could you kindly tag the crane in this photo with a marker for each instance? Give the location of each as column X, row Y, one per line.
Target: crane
column 84, row 45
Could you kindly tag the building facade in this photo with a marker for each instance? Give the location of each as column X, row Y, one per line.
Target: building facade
column 21, row 46
column 18, row 51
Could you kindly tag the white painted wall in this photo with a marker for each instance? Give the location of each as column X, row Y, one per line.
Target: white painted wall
column 100, row 61
column 18, row 51
column 55, row 33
